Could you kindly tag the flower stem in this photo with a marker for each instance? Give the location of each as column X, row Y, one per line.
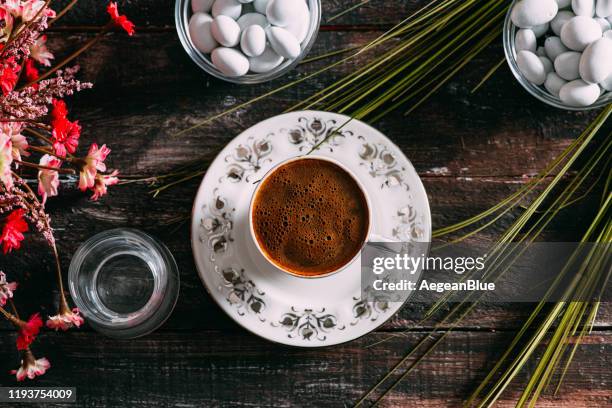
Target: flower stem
column 40, row 166
column 64, row 11
column 11, row 318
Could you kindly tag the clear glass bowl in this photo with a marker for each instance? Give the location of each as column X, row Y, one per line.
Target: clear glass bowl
column 539, row 91
column 125, row 282
column 182, row 12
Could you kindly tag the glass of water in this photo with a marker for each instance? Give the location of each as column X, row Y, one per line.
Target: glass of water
column 125, row 282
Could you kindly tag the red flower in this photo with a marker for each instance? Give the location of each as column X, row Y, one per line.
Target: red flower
column 12, row 233
column 30, row 71
column 66, row 134
column 28, row 331
column 9, row 70
column 120, row 20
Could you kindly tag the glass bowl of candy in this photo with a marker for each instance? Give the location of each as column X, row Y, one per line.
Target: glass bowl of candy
column 247, row 41
column 560, row 51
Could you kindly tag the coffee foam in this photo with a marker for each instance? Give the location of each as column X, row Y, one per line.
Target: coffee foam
column 310, row 217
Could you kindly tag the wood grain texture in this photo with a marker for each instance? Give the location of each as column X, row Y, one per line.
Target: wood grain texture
column 148, row 14
column 471, row 150
column 222, row 369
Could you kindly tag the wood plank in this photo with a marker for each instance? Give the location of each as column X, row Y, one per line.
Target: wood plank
column 220, row 369
column 76, row 219
column 160, row 13
column 147, row 90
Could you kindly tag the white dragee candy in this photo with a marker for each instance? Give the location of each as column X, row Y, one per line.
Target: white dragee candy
column 200, row 32
column 596, row 61
column 225, row 30
column 579, row 93
column 606, row 84
column 560, row 19
column 260, row 6
column 230, row 8
column 253, row 41
column 603, row 23
column 299, row 26
column 566, row 65
column 554, row 47
column 554, row 83
column 249, row 19
column 548, row 65
column 541, row 51
column 579, row 32
column 230, row 61
column 564, row 3
column 282, row 12
column 541, row 29
column 531, row 67
column 265, row 62
column 608, row 34
column 525, row 39
column 604, row 8
column 245, row 1
column 584, row 7
column 283, row 42
column 201, row 6
column 530, row 13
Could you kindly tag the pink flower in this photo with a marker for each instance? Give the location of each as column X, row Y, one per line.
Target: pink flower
column 6, row 159
column 31, row 367
column 65, row 320
column 48, row 180
column 93, row 163
column 6, row 289
column 18, row 141
column 28, row 9
column 28, row 331
column 102, row 181
column 40, row 52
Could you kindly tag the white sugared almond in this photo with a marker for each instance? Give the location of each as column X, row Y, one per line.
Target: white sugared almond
column 531, row 67
column 253, row 41
column 566, row 65
column 201, row 6
column 230, row 8
column 579, row 32
column 530, row 13
column 249, row 19
column 230, row 61
column 282, row 12
column 265, row 62
column 225, row 30
column 525, row 39
column 584, row 7
column 283, row 42
column 579, row 93
column 596, row 61
column 200, row 32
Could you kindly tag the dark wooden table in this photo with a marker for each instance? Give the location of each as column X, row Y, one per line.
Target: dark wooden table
column 471, row 150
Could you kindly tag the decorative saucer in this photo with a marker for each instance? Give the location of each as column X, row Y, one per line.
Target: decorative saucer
column 274, row 305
